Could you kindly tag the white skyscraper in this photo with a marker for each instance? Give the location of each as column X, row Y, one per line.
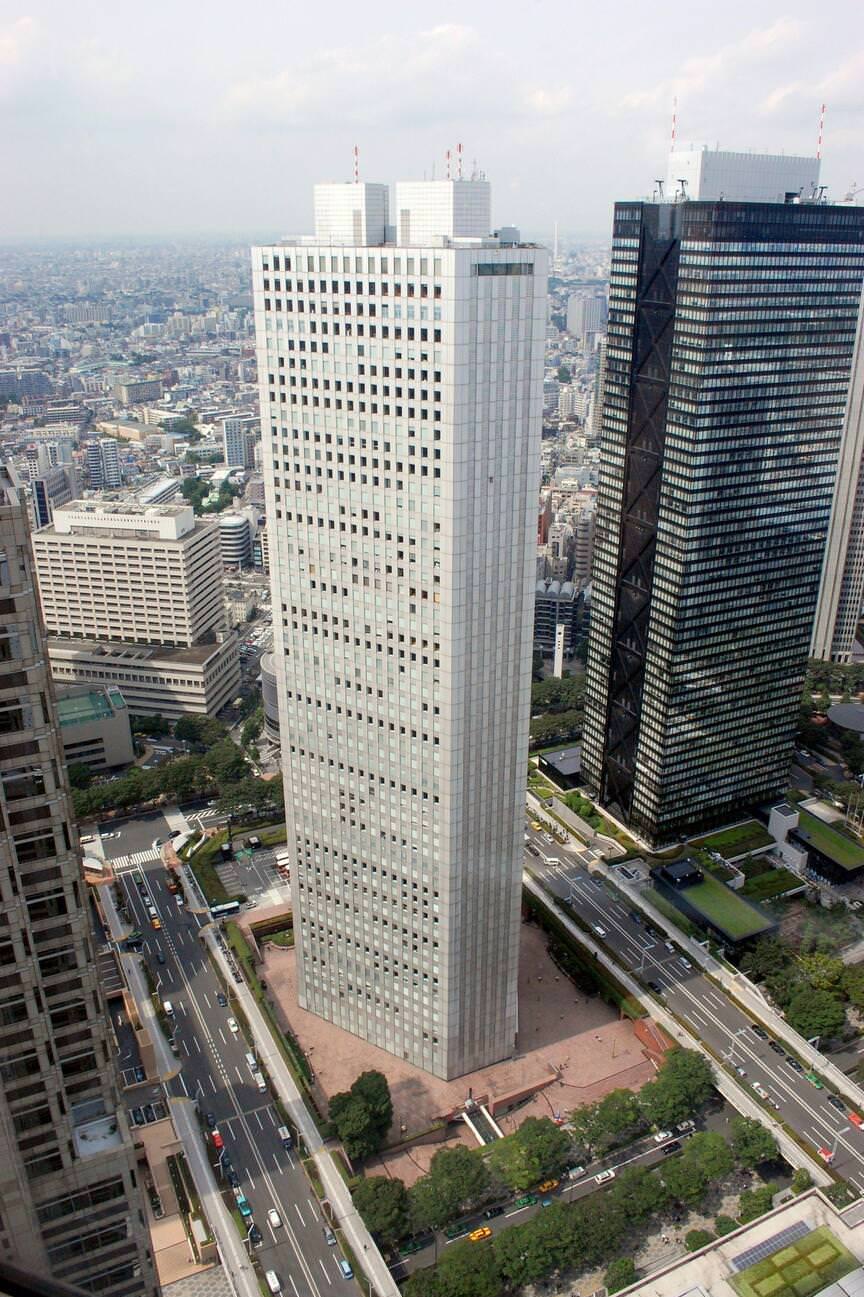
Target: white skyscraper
column 401, row 394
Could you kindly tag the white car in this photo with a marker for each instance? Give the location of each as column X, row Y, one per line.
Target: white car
column 662, row 1136
column 274, row 1218
column 601, row 932
column 232, row 1025
column 604, row 1177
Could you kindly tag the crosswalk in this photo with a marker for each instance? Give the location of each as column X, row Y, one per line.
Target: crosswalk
column 120, row 863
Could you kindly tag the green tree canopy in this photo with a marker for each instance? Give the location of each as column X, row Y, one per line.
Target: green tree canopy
column 815, row 1013
column 751, row 1142
column 755, row 1202
column 710, row 1150
column 601, row 1125
column 683, row 1085
column 457, row 1179
column 696, row 1238
column 619, row 1274
column 383, row 1204
column 537, row 1149
column 468, row 1270
column 226, row 762
column 823, row 972
column 362, row 1115
column 80, row 774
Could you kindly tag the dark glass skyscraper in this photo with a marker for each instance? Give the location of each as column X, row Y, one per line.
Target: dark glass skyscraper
column 730, row 337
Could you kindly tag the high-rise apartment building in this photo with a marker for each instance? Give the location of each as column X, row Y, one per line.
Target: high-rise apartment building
column 586, row 315
column 238, row 441
column 841, row 593
column 93, row 464
column 401, row 390
column 111, row 474
column 71, row 1206
column 731, row 332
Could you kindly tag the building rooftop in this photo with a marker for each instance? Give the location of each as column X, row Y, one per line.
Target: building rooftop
column 96, row 1137
column 849, row 716
column 129, row 654
column 95, row 705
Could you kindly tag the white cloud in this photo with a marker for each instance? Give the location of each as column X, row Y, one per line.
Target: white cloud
column 698, row 74
column 548, row 103
column 16, row 40
column 841, row 90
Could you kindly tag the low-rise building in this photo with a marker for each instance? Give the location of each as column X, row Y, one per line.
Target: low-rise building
column 94, row 728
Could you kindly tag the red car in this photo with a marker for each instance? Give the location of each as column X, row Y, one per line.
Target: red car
column 856, row 1119
column 218, row 1141
column 826, row 1155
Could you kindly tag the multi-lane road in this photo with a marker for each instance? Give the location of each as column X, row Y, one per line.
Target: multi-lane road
column 701, row 1005
column 214, row 1071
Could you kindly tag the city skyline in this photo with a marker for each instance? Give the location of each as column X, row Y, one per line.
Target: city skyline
column 562, row 129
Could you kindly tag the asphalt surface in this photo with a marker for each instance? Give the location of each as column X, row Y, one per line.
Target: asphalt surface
column 701, row 1005
column 214, row 1070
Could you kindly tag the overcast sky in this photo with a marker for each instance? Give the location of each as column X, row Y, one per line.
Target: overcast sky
column 176, row 117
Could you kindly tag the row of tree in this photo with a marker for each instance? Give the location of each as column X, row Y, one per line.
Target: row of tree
column 588, row 1233
column 812, row 988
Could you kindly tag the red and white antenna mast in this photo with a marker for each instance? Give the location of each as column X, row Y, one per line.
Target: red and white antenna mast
column 458, row 161
column 821, row 133
column 674, row 121
column 356, row 165
column 448, row 164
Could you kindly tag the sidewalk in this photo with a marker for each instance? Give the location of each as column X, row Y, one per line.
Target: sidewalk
column 730, row 1089
column 346, row 1216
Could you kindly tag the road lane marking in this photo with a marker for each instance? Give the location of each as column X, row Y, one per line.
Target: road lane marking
column 324, row 1268
column 260, row 1122
column 293, row 1284
column 207, row 1000
column 222, row 1037
column 300, row 1214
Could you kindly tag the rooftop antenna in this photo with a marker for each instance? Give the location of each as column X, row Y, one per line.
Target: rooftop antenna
column 448, row 164
column 458, row 161
column 674, row 121
column 682, row 192
column 659, row 190
column 821, row 132
column 356, row 165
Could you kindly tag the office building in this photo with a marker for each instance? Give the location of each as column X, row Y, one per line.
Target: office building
column 722, row 417
column 401, row 395
column 52, row 488
column 138, row 390
column 93, row 465
column 111, row 474
column 95, row 728
column 121, row 571
column 714, row 175
column 841, row 593
column 238, row 439
column 71, row 1206
column 234, row 540
column 586, row 316
column 556, row 603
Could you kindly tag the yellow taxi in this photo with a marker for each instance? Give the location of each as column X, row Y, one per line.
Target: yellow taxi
column 548, row 1185
column 477, row 1235
column 156, row 923
column 536, row 825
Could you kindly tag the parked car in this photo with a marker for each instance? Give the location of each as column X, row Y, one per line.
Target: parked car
column 601, row 932
column 477, row 1235
column 674, row 1147
column 856, row 1119
column 836, row 1102
column 794, row 1064
column 758, row 1031
column 222, row 999
column 604, row 1177
column 274, row 1219
column 548, row 1186
column 329, row 1237
column 662, row 1136
column 778, row 1049
column 491, row 1212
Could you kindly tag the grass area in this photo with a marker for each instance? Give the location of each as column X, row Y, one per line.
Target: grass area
column 771, row 883
column 734, row 842
column 808, row 1265
column 272, row 834
column 845, row 851
column 726, row 909
column 669, row 911
column 203, row 862
column 285, row 938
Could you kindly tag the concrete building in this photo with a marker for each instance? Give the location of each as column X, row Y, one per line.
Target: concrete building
column 235, row 541
column 121, row 571
column 270, row 697
column 72, row 1209
column 841, row 592
column 136, row 391
column 94, row 728
column 401, row 461
column 51, row 489
column 586, row 315
column 556, row 603
column 712, row 484
column 714, row 175
column 238, row 440
column 112, row 477
column 93, row 465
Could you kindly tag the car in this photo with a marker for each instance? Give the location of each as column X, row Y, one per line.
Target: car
column 684, row 1127
column 526, row 1200
column 674, row 1147
column 546, row 1202
column 478, row 1235
column 457, row 1231
column 739, row 1069
column 662, row 1135
column 225, row 1162
column 856, row 1119
column 685, row 963
column 156, row 923
column 534, row 851
column 601, row 931
column 669, row 946
column 826, row 1155
column 218, row 1141
column 179, row 901
column 491, row 1212
column 603, row 1177
column 255, row 1236
column 222, row 999
column 774, row 1104
column 347, row 1272
column 536, row 825
column 836, row 1102
column 547, row 837
column 232, row 1177
column 633, row 916
column 274, row 1220
column 778, row 1049
column 656, row 987
column 575, row 1172
column 760, row 1090
column 210, row 1120
column 758, row 1031
column 156, row 844
column 794, row 1064
column 231, row 1024
column 160, row 956
column 329, row 1237
column 548, row 1186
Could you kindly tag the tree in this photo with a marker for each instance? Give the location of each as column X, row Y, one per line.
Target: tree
column 751, row 1142
column 696, row 1238
column 815, row 1013
column 822, row 972
column 725, row 1225
column 457, row 1178
column 619, row 1274
column 801, row 1180
column 80, row 774
column 853, row 984
column 252, row 727
column 261, row 795
column 685, row 1178
column 683, row 1085
column 602, row 1124
column 467, row 1270
column 184, row 777
column 755, row 1202
column 362, row 1115
column 225, row 762
column 383, row 1204
column 538, row 1148
column 765, row 958
column 711, row 1153
column 563, row 374
column 154, row 726
column 639, row 1192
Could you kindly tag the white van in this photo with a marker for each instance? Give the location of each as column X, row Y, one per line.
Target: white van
column 285, row 1135
column 260, row 1082
column 273, row 1282
column 168, row 1008
column 251, row 1062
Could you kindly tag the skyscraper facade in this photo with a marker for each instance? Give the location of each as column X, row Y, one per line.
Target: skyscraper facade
column 731, row 331
column 70, row 1203
column 841, row 593
column 401, row 388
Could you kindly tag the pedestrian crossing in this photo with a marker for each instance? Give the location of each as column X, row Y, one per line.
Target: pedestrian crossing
column 121, row 863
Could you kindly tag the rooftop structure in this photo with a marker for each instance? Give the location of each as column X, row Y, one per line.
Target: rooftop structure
column 715, row 175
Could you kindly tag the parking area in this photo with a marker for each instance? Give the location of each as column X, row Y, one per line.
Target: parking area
column 254, row 874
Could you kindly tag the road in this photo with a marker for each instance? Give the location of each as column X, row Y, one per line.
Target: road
column 214, row 1070
column 701, row 1005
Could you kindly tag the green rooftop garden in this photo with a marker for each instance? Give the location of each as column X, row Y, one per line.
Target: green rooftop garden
column 839, row 847
column 799, row 1269
column 734, row 842
column 726, row 909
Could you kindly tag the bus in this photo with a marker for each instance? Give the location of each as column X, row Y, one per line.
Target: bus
column 224, row 909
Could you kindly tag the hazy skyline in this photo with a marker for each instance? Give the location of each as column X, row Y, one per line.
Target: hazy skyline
column 165, row 120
